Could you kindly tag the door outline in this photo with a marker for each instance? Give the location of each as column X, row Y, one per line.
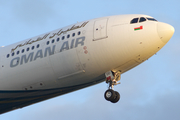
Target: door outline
column 100, row 29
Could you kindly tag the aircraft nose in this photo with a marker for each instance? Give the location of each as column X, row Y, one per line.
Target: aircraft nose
column 165, row 31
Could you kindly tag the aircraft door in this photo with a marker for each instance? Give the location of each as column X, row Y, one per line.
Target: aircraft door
column 100, row 29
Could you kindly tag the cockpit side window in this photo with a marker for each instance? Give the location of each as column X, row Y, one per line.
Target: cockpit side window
column 151, row 19
column 142, row 19
column 135, row 20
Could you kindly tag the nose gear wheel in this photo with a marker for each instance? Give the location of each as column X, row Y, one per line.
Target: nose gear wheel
column 116, row 98
column 111, row 95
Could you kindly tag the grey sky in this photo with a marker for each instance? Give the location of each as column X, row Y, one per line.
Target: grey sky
column 151, row 91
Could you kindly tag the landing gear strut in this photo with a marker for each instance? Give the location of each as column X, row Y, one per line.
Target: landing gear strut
column 111, row 79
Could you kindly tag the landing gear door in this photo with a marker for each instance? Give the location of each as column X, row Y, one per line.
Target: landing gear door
column 100, row 29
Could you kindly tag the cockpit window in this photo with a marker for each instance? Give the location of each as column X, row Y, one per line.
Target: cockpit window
column 142, row 19
column 135, row 20
column 151, row 19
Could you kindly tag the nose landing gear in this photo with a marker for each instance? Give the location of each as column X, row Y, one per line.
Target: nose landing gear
column 111, row 79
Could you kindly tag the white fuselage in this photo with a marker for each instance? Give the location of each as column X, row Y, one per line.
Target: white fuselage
column 75, row 57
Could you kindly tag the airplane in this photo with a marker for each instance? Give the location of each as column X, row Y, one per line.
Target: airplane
column 78, row 56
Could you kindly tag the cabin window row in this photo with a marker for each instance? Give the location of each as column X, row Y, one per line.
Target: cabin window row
column 63, row 38
column 48, row 42
column 23, row 50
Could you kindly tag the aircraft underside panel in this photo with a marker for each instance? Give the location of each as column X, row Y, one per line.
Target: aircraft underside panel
column 34, row 96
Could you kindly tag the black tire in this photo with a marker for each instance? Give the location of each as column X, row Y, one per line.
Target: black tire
column 116, row 99
column 109, row 95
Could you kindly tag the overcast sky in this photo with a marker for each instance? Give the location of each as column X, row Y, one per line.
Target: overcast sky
column 151, row 91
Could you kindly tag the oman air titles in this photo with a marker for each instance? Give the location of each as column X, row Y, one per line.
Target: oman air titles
column 48, row 51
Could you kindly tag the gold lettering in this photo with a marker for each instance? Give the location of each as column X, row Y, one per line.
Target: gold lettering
column 53, row 35
column 85, row 23
column 45, row 36
column 69, row 29
column 30, row 42
column 60, row 32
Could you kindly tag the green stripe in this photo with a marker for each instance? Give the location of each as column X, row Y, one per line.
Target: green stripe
column 137, row 29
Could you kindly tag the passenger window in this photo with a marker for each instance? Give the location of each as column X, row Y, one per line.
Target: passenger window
column 7, row 55
column 22, row 50
column 13, row 54
column 53, row 41
column 37, row 46
column 73, row 34
column 32, row 48
column 142, row 19
column 63, row 37
column 17, row 52
column 79, row 33
column 47, row 43
column 135, row 20
column 27, row 49
column 68, row 36
column 57, row 39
